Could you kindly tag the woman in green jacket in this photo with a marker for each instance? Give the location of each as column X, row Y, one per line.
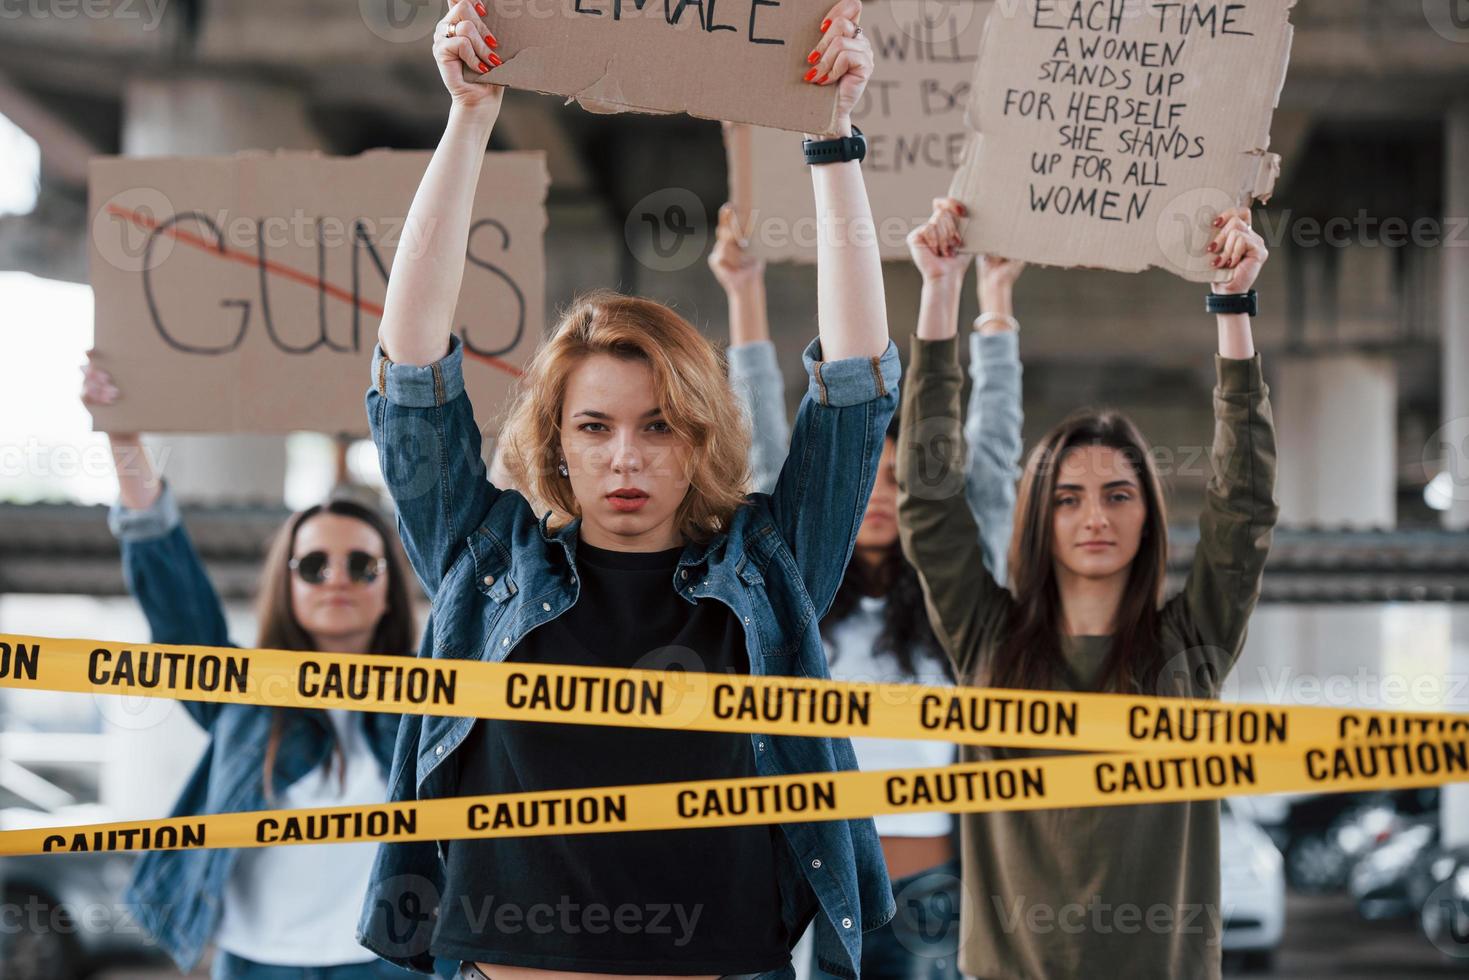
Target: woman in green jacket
column 1102, row 891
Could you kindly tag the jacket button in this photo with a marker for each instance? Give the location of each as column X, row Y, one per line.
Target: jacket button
column 439, row 750
column 747, row 620
column 762, row 746
column 683, row 573
column 546, row 606
column 505, row 641
column 846, row 923
column 816, row 862
column 489, row 580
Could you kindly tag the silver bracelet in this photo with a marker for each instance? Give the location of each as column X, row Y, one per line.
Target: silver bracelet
column 984, row 318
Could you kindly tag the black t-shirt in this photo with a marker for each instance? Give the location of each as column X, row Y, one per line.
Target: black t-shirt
column 695, row 901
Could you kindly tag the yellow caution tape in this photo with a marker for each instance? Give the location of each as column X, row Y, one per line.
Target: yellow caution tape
column 1081, row 780
column 1136, row 749
column 687, row 700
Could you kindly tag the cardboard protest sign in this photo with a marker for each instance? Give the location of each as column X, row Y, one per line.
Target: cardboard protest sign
column 912, row 114
column 1114, row 131
column 243, row 293
column 739, row 60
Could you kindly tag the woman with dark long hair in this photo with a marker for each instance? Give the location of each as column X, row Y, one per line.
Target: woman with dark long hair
column 333, row 580
column 877, row 629
column 1130, row 890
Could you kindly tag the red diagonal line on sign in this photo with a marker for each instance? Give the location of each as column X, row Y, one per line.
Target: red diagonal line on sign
column 284, row 272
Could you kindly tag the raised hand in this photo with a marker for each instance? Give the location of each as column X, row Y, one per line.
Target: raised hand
column 934, row 245
column 843, row 57
column 1238, row 248
column 730, row 261
column 463, row 43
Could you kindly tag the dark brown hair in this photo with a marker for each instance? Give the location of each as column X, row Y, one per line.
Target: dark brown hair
column 1030, row 655
column 281, row 630
column 906, row 634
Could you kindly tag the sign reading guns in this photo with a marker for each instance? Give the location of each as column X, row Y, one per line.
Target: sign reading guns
column 243, row 293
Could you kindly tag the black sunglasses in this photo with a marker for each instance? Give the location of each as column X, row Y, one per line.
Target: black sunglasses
column 362, row 568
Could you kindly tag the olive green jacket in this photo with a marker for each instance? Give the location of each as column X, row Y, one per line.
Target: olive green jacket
column 1098, row 891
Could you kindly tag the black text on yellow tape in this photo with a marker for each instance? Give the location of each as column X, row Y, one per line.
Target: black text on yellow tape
column 1052, row 782
column 676, row 699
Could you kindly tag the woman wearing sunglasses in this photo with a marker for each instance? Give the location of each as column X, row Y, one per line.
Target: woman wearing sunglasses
column 632, row 542
column 333, row 582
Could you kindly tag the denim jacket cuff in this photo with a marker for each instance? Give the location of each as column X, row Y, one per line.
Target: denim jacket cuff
column 752, row 360
column 153, row 521
column 851, row 380
column 420, row 387
column 995, row 348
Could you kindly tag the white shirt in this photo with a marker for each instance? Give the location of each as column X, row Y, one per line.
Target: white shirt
column 298, row 905
column 850, row 652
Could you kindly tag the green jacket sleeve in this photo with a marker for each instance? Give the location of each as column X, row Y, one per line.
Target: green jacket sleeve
column 1235, row 528
column 938, row 530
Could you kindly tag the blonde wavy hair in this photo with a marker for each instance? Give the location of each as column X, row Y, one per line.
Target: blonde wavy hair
column 691, row 383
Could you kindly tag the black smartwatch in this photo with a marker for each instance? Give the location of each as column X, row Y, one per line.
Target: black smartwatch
column 839, row 150
column 1233, row 303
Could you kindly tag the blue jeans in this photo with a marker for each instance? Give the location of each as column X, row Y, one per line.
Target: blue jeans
column 228, row 966
column 922, row 940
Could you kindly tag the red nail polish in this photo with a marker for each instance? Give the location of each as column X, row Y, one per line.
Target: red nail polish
column 963, row 211
column 479, row 8
column 825, row 24
column 822, row 79
column 810, row 75
column 495, row 60
column 483, row 67
column 491, row 40
column 813, row 57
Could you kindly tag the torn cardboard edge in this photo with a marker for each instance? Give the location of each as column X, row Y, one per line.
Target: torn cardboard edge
column 1256, row 183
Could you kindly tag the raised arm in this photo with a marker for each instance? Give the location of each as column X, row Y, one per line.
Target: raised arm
column 850, row 306
column 1240, row 512
column 936, row 526
column 753, row 370
column 992, row 429
column 428, row 267
column 422, row 423
column 853, row 368
column 159, row 564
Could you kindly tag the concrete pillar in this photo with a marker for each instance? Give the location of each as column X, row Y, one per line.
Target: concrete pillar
column 197, row 116
column 1455, row 434
column 1337, row 418
column 1453, row 439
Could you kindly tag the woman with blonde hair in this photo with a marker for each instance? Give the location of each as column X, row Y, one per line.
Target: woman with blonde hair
column 648, row 552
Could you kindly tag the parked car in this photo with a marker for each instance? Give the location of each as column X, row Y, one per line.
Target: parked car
column 1252, row 889
column 1382, row 883
column 63, row 914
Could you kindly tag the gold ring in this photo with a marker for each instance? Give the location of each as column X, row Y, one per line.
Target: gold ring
column 450, row 32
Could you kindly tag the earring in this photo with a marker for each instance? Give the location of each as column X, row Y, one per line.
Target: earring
column 561, row 468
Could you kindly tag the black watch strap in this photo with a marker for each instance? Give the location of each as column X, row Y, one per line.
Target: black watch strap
column 838, row 150
column 1248, row 303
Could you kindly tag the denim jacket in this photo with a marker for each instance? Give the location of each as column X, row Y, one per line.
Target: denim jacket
column 178, row 894
column 494, row 572
column 991, row 429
